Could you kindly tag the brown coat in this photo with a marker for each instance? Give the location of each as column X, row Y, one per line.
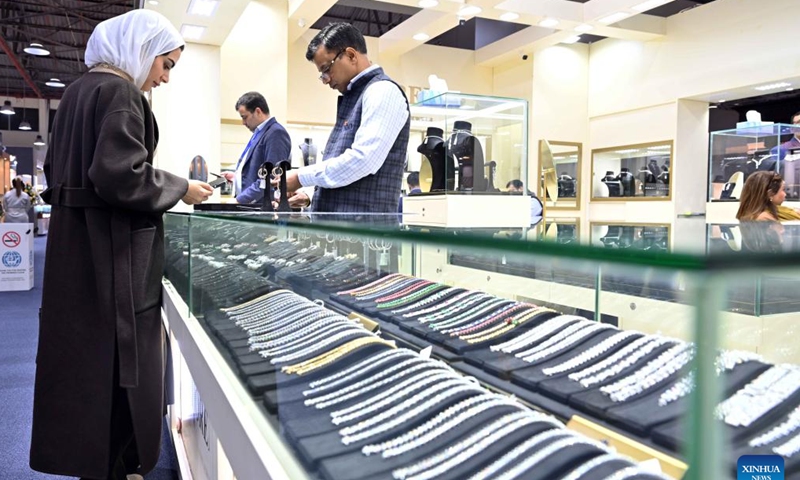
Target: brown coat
column 102, row 292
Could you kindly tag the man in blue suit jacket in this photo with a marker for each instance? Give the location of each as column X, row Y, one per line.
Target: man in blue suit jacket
column 270, row 142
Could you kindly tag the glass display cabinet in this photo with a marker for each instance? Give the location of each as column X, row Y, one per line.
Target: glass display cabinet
column 737, row 153
column 560, row 170
column 472, row 146
column 342, row 348
column 632, row 172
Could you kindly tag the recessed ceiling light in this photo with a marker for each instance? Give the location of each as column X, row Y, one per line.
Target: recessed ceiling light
column 789, row 89
column 37, row 49
column 469, row 10
column 55, row 83
column 153, row 2
column 772, row 86
column 548, row 22
column 583, row 28
column 649, row 5
column 571, row 40
column 614, row 18
column 722, row 101
column 509, row 16
column 192, row 32
column 421, row 37
column 428, row 3
column 204, row 8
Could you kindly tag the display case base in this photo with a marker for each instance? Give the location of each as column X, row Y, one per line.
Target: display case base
column 467, row 211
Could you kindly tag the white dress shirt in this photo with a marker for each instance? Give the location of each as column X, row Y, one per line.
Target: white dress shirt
column 237, row 184
column 383, row 115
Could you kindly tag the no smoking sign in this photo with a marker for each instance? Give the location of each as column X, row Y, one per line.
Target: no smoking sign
column 11, row 239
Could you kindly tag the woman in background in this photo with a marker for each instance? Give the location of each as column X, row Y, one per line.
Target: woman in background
column 762, row 199
column 16, row 203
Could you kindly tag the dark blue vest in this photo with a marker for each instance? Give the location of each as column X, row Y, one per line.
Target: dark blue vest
column 377, row 193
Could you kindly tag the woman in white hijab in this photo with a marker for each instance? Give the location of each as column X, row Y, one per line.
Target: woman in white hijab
column 99, row 391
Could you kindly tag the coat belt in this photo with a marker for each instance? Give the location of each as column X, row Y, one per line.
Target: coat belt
column 72, row 197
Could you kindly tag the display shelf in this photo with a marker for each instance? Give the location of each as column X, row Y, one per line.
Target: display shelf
column 632, row 172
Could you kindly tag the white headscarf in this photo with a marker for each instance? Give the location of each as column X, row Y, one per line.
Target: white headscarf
column 131, row 42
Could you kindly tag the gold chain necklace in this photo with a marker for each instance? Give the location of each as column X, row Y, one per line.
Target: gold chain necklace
column 107, row 67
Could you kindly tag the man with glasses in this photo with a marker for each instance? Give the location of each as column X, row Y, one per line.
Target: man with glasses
column 362, row 166
column 270, row 141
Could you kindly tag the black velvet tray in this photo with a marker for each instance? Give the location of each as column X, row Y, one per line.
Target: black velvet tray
column 503, row 364
column 327, row 445
column 641, row 415
column 375, row 466
column 673, row 434
column 531, row 376
column 562, row 388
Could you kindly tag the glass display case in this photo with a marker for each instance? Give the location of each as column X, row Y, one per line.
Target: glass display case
column 361, row 351
column 632, row 172
column 471, row 147
column 737, row 153
column 560, row 170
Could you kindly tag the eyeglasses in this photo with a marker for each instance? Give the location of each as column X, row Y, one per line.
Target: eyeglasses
column 326, row 73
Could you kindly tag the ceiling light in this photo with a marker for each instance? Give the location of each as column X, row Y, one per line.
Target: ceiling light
column 509, row 16
column 614, row 18
column 24, row 125
column 469, row 10
column 421, row 37
column 39, row 141
column 192, row 32
column 571, row 40
column 37, row 49
column 789, row 89
column 583, row 28
column 153, row 2
column 205, row 8
column 7, row 109
column 55, row 83
column 773, row 86
column 428, row 3
column 548, row 22
column 649, row 5
column 722, row 101
column 301, row 23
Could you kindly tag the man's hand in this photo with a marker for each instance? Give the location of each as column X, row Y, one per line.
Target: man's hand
column 292, row 182
column 198, row 192
column 229, row 176
column 298, row 200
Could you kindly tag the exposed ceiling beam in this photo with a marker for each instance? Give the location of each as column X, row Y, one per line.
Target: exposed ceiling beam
column 15, row 61
column 513, row 46
column 431, row 22
column 304, row 13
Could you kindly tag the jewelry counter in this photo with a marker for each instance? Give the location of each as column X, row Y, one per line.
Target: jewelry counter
column 348, row 350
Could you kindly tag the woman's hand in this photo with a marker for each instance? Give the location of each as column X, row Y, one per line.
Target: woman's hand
column 198, row 192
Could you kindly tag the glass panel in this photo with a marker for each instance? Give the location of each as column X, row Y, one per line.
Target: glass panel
column 632, row 171
column 619, row 335
column 471, row 143
column 177, row 255
column 736, row 154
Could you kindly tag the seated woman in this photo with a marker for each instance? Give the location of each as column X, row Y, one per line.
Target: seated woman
column 762, row 197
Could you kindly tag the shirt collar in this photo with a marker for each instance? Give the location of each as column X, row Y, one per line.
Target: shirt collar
column 363, row 72
column 261, row 126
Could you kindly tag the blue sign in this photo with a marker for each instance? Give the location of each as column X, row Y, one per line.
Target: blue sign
column 12, row 259
column 759, row 467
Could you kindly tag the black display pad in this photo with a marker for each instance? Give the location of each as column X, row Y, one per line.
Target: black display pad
column 398, row 317
column 327, row 445
column 673, row 434
column 641, row 415
column 531, row 376
column 504, row 364
column 556, row 464
column 375, row 466
column 562, row 388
